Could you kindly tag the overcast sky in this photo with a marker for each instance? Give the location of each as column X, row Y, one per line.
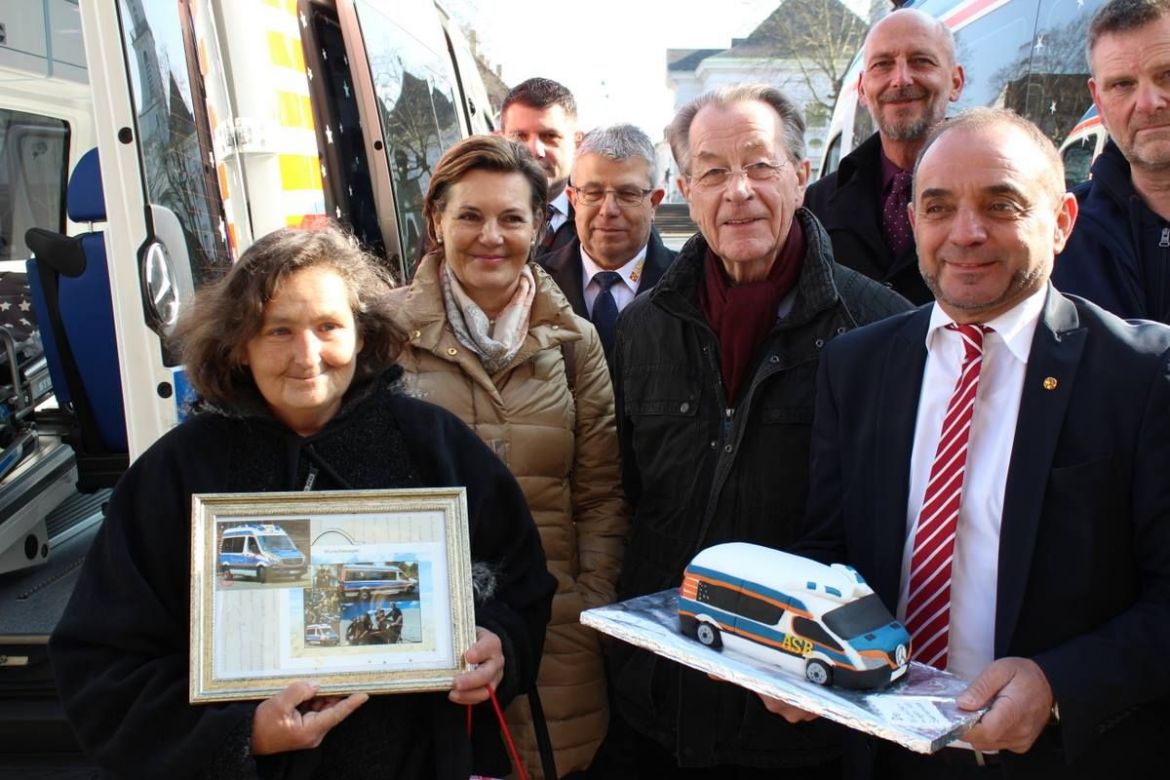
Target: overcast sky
column 610, row 53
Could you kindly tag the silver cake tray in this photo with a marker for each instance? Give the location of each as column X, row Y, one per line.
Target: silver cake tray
column 918, row 711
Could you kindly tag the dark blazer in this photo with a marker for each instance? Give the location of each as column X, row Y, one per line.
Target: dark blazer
column 565, row 234
column 848, row 203
column 564, row 266
column 1084, row 550
column 1118, row 252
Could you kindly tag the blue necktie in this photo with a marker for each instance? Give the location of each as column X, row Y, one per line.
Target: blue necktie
column 605, row 310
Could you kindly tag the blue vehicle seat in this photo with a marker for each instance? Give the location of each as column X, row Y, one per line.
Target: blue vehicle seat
column 70, row 284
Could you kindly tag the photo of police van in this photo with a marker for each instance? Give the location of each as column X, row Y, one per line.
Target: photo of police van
column 821, row 621
column 364, row 581
column 261, row 552
column 321, row 635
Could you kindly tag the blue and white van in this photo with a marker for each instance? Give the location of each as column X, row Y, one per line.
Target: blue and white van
column 261, row 552
column 821, row 621
column 365, row 580
column 1026, row 55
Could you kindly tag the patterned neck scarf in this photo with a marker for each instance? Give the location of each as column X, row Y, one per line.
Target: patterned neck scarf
column 495, row 346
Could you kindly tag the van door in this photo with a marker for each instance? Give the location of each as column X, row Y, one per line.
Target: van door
column 410, row 107
column 166, row 217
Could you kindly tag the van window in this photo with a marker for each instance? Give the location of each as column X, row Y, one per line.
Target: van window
column 812, row 630
column 1078, row 159
column 370, row 575
column 234, row 544
column 759, row 610
column 832, row 156
column 418, row 108
column 995, row 51
column 857, row 617
column 1025, row 55
column 277, row 543
column 174, row 137
column 1057, row 96
column 34, row 151
column 863, row 126
column 718, row 596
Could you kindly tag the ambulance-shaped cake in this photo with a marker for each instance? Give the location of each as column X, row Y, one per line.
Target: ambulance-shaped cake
column 821, row 621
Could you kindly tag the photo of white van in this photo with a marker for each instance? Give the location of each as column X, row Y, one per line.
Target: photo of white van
column 260, row 552
column 821, row 621
column 365, row 580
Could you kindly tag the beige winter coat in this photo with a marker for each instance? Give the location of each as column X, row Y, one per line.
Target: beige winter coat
column 565, row 457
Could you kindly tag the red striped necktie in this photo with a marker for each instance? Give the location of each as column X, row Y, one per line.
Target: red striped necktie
column 928, row 607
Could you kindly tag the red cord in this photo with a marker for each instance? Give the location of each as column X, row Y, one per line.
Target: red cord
column 512, row 751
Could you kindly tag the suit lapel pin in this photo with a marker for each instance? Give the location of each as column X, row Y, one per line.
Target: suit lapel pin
column 1050, row 383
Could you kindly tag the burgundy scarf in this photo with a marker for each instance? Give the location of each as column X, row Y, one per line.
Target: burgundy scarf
column 742, row 315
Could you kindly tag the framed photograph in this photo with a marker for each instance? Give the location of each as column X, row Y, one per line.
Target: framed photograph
column 359, row 590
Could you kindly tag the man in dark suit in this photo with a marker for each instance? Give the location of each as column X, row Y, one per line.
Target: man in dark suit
column 715, row 373
column 615, row 189
column 910, row 76
column 996, row 466
column 542, row 114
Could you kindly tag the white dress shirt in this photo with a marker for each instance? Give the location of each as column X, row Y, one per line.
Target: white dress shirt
column 623, row 293
column 975, row 567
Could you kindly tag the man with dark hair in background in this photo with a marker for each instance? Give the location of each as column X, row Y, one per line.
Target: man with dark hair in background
column 542, row 115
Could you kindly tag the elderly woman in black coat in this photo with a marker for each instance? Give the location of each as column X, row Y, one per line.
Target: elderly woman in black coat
column 293, row 361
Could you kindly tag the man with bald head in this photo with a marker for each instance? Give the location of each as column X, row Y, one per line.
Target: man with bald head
column 995, row 466
column 908, row 79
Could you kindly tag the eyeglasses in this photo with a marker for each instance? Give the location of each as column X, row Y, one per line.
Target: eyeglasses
column 626, row 196
column 718, row 178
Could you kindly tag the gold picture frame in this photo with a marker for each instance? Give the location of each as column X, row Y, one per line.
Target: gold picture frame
column 359, row 590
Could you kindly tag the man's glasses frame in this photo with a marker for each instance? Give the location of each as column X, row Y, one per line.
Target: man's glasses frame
column 626, row 196
column 718, row 178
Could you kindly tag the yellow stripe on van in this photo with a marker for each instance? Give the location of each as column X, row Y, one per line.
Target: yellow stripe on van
column 294, row 110
column 300, row 172
column 284, row 51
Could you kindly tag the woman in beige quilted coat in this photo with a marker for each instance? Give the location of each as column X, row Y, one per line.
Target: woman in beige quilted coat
column 491, row 338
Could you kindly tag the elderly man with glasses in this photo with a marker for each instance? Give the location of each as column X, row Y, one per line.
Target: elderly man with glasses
column 615, row 190
column 715, row 380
